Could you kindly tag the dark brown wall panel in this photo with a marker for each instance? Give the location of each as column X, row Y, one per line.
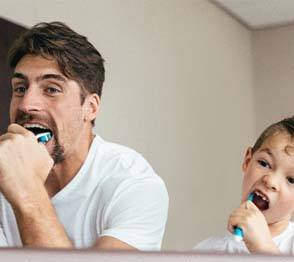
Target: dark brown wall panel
column 8, row 32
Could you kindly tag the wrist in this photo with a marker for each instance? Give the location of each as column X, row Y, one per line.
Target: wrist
column 31, row 202
column 265, row 247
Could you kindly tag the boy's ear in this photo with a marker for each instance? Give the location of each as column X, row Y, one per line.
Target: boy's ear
column 247, row 159
column 92, row 106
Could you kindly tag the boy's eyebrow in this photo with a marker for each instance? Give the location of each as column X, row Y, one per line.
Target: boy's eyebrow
column 267, row 150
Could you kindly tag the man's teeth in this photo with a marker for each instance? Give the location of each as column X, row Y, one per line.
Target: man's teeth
column 34, row 126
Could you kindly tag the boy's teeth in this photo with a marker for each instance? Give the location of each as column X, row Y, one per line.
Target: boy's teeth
column 262, row 196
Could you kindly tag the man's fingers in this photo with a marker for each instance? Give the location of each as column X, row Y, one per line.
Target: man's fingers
column 6, row 136
column 18, row 129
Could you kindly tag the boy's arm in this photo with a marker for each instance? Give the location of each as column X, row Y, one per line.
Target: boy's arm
column 257, row 236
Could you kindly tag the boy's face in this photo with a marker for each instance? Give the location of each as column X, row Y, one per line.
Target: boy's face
column 269, row 173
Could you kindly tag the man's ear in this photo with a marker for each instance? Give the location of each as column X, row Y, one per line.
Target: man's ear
column 247, row 159
column 92, row 106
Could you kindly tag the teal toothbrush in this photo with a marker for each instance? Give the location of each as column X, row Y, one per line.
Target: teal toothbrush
column 43, row 137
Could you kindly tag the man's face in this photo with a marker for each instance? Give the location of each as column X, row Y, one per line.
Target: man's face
column 269, row 173
column 43, row 97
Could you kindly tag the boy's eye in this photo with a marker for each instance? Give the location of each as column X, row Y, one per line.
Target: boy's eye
column 263, row 163
column 290, row 179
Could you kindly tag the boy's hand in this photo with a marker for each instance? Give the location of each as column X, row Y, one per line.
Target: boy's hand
column 257, row 236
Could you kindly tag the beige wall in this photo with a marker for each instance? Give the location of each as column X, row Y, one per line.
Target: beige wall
column 274, row 74
column 179, row 90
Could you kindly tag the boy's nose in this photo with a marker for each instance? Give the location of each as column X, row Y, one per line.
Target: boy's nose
column 271, row 182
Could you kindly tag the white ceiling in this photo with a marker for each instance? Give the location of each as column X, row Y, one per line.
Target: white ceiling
column 260, row 14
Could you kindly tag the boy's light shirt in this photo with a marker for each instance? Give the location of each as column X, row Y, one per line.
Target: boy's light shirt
column 226, row 243
column 3, row 241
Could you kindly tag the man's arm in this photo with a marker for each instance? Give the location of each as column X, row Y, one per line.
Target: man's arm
column 111, row 243
column 38, row 224
column 136, row 216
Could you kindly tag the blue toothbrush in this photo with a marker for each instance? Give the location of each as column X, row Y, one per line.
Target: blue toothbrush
column 238, row 232
column 43, row 137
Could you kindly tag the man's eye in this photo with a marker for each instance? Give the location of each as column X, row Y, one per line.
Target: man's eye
column 19, row 89
column 290, row 179
column 263, row 163
column 52, row 90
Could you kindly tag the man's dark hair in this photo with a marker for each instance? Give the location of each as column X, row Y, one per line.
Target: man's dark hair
column 284, row 126
column 77, row 58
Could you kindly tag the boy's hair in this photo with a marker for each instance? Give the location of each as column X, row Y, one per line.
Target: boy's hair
column 284, row 126
column 77, row 58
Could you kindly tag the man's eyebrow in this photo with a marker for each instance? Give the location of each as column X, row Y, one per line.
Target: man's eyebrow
column 52, row 76
column 20, row 76
column 40, row 78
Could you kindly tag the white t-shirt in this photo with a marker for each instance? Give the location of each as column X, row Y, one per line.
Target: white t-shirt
column 115, row 193
column 227, row 243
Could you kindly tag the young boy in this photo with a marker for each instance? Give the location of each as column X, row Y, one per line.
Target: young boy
column 268, row 170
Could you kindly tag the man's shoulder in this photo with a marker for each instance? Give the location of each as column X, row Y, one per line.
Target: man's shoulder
column 121, row 158
column 118, row 167
column 124, row 178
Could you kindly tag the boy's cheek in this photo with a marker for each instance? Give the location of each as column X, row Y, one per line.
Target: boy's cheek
column 247, row 186
column 245, row 192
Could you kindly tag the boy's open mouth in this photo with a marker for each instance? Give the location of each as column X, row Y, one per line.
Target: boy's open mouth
column 260, row 200
column 37, row 129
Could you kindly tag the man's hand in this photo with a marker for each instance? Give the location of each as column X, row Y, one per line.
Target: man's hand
column 257, row 236
column 24, row 165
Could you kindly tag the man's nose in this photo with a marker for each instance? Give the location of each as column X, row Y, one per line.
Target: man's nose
column 31, row 100
column 272, row 182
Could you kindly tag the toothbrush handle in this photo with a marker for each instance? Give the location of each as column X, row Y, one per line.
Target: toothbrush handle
column 238, row 234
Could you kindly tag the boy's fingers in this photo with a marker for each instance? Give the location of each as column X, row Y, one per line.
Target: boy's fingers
column 251, row 205
column 243, row 205
column 235, row 221
column 230, row 228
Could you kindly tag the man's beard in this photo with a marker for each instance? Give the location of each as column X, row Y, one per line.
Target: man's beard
column 58, row 153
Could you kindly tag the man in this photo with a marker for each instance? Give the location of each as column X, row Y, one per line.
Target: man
column 76, row 190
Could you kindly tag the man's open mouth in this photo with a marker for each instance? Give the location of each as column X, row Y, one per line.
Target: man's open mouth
column 260, row 200
column 38, row 129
